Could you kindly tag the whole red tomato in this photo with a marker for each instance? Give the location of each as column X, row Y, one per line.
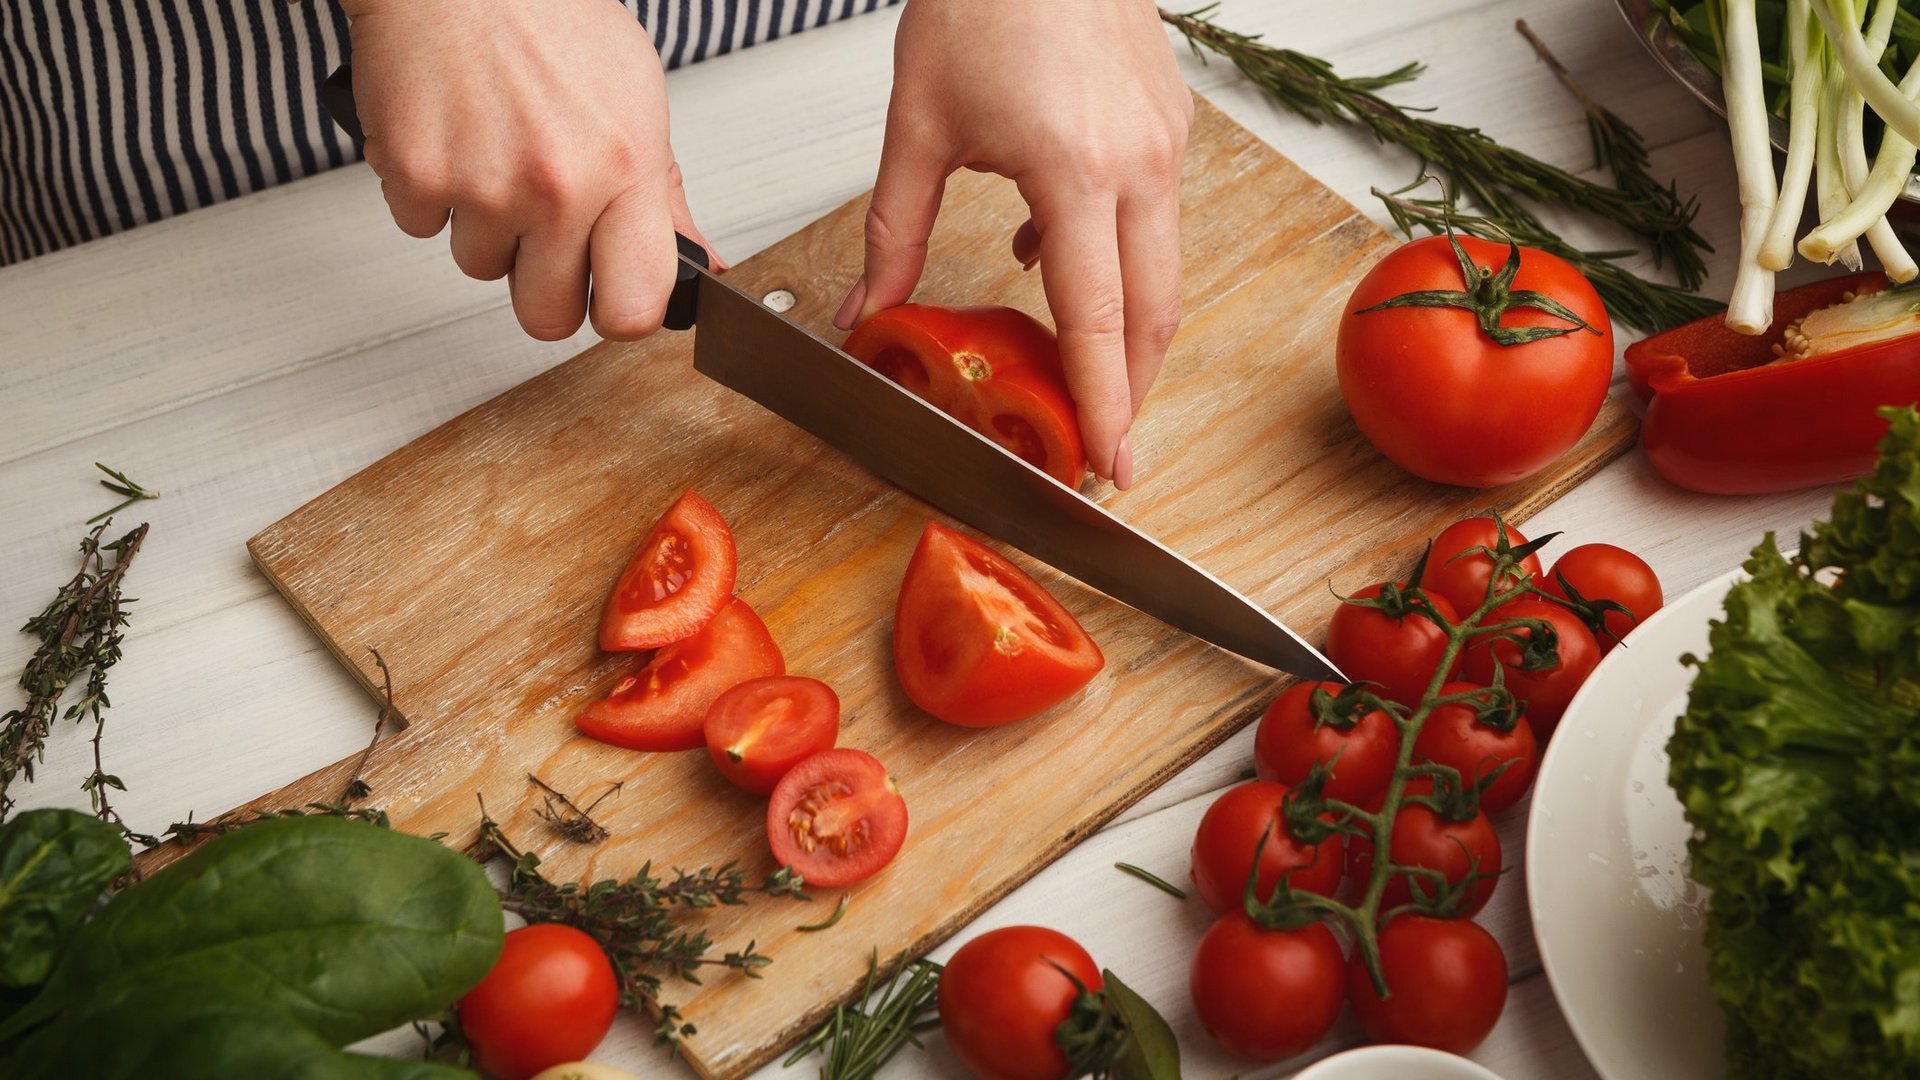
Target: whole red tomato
column 1425, row 839
column 1453, row 735
column 1462, row 578
column 1597, row 572
column 1445, row 401
column 1447, row 979
column 1266, row 994
column 1396, row 648
column 1230, row 832
column 1546, row 692
column 1294, row 737
column 1005, row 993
column 549, row 999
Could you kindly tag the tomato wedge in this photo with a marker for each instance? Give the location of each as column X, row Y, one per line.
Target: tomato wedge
column 836, row 818
column 976, row 642
column 677, row 580
column 763, row 727
column 994, row 369
column 663, row 706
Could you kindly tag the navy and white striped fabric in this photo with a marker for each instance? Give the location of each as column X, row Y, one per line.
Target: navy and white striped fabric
column 114, row 113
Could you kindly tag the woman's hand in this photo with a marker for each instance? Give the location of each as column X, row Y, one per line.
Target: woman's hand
column 1081, row 104
column 540, row 128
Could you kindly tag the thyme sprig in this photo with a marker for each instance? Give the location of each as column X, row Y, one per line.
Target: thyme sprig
column 80, row 635
column 1497, row 179
column 572, row 821
column 636, row 920
column 866, row 1035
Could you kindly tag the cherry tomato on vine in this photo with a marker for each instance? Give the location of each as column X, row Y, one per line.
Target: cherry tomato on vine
column 1002, row 999
column 1598, row 572
column 1229, row 833
column 549, row 998
column 1453, row 735
column 1447, row 980
column 663, row 706
column 1424, row 839
column 1398, row 650
column 836, row 818
column 1266, row 994
column 1462, row 578
column 1440, row 396
column 1293, row 738
column 761, row 728
column 676, row 582
column 1544, row 693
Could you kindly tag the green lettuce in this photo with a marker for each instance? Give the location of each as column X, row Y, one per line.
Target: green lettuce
column 1798, row 763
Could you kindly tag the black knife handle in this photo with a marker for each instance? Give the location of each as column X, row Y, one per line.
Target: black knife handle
column 336, row 94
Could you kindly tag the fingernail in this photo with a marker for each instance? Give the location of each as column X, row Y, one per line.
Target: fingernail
column 720, row 263
column 850, row 307
column 1123, row 464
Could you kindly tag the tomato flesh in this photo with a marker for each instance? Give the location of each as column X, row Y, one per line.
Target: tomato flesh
column 836, row 818
column 676, row 582
column 1266, row 994
column 1002, row 998
column 976, row 642
column 1447, row 979
column 994, row 369
column 1230, row 832
column 549, row 999
column 761, row 728
column 663, row 706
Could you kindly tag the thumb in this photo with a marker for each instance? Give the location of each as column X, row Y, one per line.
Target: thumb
column 906, row 198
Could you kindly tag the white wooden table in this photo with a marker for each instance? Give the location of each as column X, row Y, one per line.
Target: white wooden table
column 244, row 358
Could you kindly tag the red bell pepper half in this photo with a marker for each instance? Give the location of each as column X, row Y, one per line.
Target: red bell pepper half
column 1724, row 418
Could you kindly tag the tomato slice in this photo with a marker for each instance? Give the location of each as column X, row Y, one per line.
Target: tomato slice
column 678, row 579
column 763, row 727
column 994, row 369
column 976, row 642
column 663, row 706
column 836, row 818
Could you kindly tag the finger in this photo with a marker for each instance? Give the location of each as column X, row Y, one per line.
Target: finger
column 634, row 262
column 549, row 282
column 1150, row 276
column 483, row 246
column 416, row 216
column 906, row 199
column 683, row 220
column 1026, row 245
column 1080, row 267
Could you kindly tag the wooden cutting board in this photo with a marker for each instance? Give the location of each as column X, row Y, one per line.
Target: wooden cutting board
column 475, row 558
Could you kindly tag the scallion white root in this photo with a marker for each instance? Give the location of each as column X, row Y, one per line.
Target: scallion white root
column 1803, row 130
column 1750, row 310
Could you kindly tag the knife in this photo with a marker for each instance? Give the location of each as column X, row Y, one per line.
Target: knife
column 747, row 347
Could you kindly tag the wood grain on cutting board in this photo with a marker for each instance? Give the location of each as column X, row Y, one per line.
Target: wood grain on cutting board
column 476, row 557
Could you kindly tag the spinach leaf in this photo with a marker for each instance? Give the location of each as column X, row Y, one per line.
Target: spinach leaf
column 54, row 865
column 259, row 954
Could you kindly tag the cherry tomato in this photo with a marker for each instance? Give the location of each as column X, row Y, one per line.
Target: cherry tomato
column 1422, row 838
column 1445, row 401
column 1229, row 833
column 663, row 706
column 1462, row 579
column 1266, row 994
column 1452, row 735
column 1605, row 572
column 836, row 818
column 1292, row 740
column 994, row 369
column 1398, row 653
column 1447, row 981
column 549, row 999
column 676, row 582
column 1002, row 997
column 1543, row 693
column 976, row 642
column 763, row 727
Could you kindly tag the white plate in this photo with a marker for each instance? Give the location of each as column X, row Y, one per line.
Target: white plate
column 1618, row 920
column 1395, row 1062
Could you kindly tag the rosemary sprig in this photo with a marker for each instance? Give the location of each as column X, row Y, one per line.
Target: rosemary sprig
column 863, row 1037
column 1152, row 879
column 635, row 920
column 568, row 819
column 1494, row 177
column 831, row 921
column 80, row 634
column 120, row 485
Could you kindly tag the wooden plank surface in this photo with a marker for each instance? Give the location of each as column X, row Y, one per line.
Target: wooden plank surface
column 476, row 556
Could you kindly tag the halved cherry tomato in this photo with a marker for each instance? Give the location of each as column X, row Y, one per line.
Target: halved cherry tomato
column 676, row 582
column 994, row 369
column 1397, row 651
column 1599, row 572
column 1293, row 738
column 1447, row 979
column 1545, row 692
column 1005, row 994
column 976, row 642
column 763, row 727
column 1230, row 832
column 836, row 818
column 1454, row 736
column 1461, row 578
column 663, row 706
column 1424, row 839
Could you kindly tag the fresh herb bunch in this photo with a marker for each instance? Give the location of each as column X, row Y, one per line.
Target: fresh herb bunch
column 1495, row 178
column 635, row 920
column 864, row 1036
column 1798, row 763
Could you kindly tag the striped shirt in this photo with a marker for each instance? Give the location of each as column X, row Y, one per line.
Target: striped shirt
column 114, row 113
